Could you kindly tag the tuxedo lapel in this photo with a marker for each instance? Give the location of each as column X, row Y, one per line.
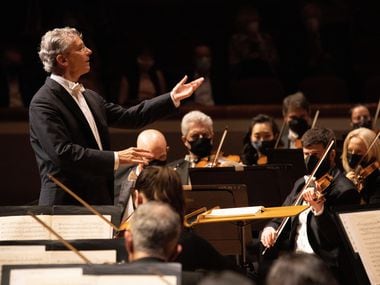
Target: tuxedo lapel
column 72, row 108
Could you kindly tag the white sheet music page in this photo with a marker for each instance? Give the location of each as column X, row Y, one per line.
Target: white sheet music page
column 81, row 227
column 47, row 276
column 234, row 212
column 23, row 228
column 363, row 231
column 74, row 276
column 37, row 254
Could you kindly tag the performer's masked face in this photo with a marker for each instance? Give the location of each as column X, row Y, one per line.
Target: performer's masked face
column 201, row 147
column 199, row 140
column 262, row 137
column 312, row 155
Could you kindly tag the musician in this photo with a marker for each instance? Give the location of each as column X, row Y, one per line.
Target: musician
column 360, row 117
column 153, row 237
column 197, row 136
column 355, row 146
column 153, row 141
column 164, row 184
column 153, row 233
column 69, row 124
column 314, row 230
column 296, row 113
column 261, row 136
column 301, row 269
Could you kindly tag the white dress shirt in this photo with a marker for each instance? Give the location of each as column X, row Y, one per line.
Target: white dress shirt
column 75, row 91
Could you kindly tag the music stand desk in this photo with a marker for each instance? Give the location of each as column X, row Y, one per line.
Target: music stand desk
column 266, row 213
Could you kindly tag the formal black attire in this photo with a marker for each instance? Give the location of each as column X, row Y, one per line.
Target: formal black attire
column 322, row 232
column 188, row 277
column 371, row 188
column 182, row 167
column 198, row 254
column 65, row 146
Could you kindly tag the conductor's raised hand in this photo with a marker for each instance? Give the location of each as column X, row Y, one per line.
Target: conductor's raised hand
column 184, row 90
column 134, row 155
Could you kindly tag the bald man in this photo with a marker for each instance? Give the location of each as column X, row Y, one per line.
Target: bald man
column 150, row 140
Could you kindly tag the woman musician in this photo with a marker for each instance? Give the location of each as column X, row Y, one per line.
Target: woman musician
column 261, row 136
column 363, row 171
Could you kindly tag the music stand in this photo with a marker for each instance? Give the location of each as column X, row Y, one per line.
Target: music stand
column 267, row 185
column 227, row 238
column 243, row 218
column 294, row 157
column 359, row 229
column 79, row 273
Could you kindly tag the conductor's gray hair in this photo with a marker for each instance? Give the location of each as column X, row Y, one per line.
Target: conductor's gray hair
column 53, row 43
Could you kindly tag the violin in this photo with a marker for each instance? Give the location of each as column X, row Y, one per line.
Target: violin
column 218, row 160
column 360, row 174
column 363, row 173
column 223, row 161
column 262, row 160
column 323, row 183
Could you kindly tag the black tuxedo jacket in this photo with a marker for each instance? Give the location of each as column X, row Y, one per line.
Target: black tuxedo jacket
column 66, row 148
column 182, row 167
column 321, row 230
column 188, row 277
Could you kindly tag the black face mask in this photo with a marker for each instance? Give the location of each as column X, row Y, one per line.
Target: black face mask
column 299, row 126
column 365, row 123
column 201, row 147
column 353, row 159
column 263, row 146
column 157, row 162
column 312, row 161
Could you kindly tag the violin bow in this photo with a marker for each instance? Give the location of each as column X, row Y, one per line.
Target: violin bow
column 376, row 115
column 315, row 119
column 219, row 148
column 80, row 200
column 280, row 134
column 357, row 168
column 60, row 238
column 299, row 196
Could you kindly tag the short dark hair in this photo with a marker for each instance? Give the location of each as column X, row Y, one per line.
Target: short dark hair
column 315, row 136
column 301, row 269
column 262, row 118
column 295, row 101
column 162, row 183
column 249, row 154
column 357, row 106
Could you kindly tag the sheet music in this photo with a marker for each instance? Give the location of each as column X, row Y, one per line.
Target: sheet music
column 81, row 227
column 74, row 276
column 37, row 254
column 68, row 226
column 23, row 228
column 231, row 212
column 47, row 276
column 363, row 231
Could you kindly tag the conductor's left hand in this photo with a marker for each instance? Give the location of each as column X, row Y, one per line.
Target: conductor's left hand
column 184, row 90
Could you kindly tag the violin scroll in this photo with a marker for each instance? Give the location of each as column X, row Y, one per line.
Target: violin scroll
column 361, row 174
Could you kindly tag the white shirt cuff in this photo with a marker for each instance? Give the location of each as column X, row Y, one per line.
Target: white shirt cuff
column 116, row 165
column 176, row 103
